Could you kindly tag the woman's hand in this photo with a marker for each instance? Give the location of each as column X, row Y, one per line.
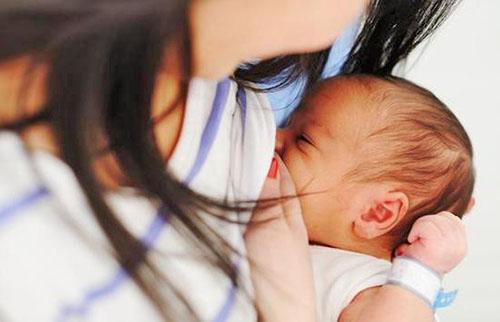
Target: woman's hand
column 225, row 33
column 278, row 252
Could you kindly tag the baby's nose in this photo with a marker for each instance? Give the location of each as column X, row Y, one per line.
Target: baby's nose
column 280, row 141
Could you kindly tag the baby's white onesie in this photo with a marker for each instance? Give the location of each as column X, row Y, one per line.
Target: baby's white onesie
column 340, row 275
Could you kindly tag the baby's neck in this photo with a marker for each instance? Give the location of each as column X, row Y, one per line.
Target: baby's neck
column 372, row 248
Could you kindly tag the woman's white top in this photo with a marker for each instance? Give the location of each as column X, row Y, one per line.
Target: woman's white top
column 340, row 275
column 55, row 263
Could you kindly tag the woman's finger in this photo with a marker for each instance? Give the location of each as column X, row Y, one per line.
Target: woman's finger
column 267, row 207
column 291, row 203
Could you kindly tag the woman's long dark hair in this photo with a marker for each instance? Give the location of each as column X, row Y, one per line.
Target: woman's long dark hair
column 104, row 56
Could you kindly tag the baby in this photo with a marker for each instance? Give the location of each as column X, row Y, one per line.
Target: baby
column 369, row 157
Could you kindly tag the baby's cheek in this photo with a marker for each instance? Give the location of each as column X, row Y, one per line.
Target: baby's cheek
column 292, row 167
column 306, row 213
column 312, row 220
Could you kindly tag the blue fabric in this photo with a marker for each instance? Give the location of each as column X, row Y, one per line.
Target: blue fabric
column 286, row 100
column 444, row 299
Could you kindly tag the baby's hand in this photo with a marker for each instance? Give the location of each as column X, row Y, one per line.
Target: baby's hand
column 438, row 241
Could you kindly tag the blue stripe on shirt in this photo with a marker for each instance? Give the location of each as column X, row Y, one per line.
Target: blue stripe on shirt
column 242, row 99
column 111, row 286
column 210, row 131
column 8, row 212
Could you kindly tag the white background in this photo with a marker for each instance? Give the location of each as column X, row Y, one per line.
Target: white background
column 461, row 65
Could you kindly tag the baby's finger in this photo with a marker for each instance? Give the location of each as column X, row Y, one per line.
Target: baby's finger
column 451, row 226
column 450, row 219
column 456, row 228
column 453, row 221
column 401, row 250
column 449, row 215
column 424, row 228
column 415, row 251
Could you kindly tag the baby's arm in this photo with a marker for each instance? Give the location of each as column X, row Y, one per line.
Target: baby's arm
column 438, row 242
column 388, row 303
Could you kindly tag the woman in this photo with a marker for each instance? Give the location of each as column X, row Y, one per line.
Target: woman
column 105, row 93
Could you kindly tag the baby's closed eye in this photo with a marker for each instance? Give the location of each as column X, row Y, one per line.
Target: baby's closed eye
column 303, row 137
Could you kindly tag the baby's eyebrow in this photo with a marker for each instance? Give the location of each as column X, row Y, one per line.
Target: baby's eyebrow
column 322, row 126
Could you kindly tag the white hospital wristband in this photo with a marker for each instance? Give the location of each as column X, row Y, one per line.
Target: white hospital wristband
column 416, row 277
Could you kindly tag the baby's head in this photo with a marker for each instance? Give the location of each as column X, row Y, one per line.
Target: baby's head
column 370, row 155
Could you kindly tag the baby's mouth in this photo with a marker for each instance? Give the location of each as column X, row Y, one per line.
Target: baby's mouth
column 283, row 168
column 278, row 160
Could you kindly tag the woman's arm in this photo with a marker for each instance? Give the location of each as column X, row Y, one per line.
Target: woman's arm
column 224, row 33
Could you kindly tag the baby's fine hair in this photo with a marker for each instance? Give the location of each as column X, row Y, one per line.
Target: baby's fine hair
column 419, row 144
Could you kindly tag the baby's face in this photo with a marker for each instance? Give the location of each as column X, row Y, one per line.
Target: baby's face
column 319, row 146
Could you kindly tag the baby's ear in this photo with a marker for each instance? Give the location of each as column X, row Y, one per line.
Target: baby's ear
column 470, row 206
column 382, row 215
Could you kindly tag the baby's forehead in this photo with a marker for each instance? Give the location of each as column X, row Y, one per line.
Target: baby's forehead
column 368, row 89
column 357, row 108
column 344, row 97
column 362, row 96
column 338, row 110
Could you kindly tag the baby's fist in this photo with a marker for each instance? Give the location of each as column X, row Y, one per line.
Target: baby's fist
column 438, row 241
